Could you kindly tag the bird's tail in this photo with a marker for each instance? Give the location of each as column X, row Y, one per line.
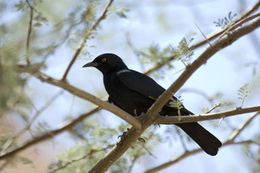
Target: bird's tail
column 208, row 142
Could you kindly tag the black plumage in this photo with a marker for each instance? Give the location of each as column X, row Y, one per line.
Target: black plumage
column 135, row 92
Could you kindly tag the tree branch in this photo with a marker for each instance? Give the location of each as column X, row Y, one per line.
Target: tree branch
column 230, row 141
column 205, row 41
column 118, row 150
column 47, row 135
column 243, row 126
column 192, row 152
column 92, row 28
column 29, row 31
column 133, row 134
column 12, row 139
column 82, row 94
column 88, row 155
column 151, row 70
column 203, row 117
column 219, row 44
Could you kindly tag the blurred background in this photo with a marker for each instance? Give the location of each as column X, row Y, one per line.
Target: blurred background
column 143, row 33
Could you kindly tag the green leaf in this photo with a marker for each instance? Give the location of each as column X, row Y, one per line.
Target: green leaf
column 20, row 5
column 37, row 24
column 225, row 21
column 243, row 93
column 177, row 104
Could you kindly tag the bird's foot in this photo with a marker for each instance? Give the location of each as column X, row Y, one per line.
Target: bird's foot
column 124, row 134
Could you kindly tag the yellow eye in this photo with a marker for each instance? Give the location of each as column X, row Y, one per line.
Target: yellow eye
column 104, row 60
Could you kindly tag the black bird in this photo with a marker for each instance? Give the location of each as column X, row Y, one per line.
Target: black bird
column 135, row 92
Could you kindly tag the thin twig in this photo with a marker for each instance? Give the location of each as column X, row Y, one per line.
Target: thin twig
column 240, row 22
column 133, row 134
column 159, row 65
column 29, row 32
column 89, row 32
column 47, row 104
column 148, row 119
column 203, row 42
column 204, row 117
column 202, row 59
column 246, row 14
column 243, row 126
column 182, row 142
column 214, row 107
column 28, row 126
column 192, row 152
column 229, row 141
column 47, row 135
column 253, row 9
column 80, row 93
column 88, row 155
column 205, row 37
column 62, row 40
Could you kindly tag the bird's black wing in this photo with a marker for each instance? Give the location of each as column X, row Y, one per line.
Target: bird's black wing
column 140, row 83
column 145, row 86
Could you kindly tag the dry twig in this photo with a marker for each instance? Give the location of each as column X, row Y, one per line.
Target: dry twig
column 230, row 141
column 134, row 133
column 80, row 93
column 91, row 29
column 152, row 113
column 205, row 41
column 203, row 117
column 47, row 135
column 29, row 31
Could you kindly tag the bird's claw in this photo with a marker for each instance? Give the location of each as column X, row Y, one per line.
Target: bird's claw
column 123, row 135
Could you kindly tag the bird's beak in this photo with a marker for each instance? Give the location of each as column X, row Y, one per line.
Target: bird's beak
column 90, row 64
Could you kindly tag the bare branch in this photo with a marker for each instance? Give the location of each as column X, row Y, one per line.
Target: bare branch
column 12, row 139
column 29, row 31
column 47, row 135
column 230, row 141
column 80, row 93
column 47, row 104
column 243, row 126
column 192, row 152
column 133, row 134
column 219, row 44
column 156, row 67
column 88, row 155
column 201, row 43
column 203, row 117
column 244, row 20
column 253, row 9
column 214, row 107
column 118, row 150
column 91, row 29
column 138, row 155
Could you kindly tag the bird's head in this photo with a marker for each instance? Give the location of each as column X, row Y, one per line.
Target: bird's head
column 107, row 62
